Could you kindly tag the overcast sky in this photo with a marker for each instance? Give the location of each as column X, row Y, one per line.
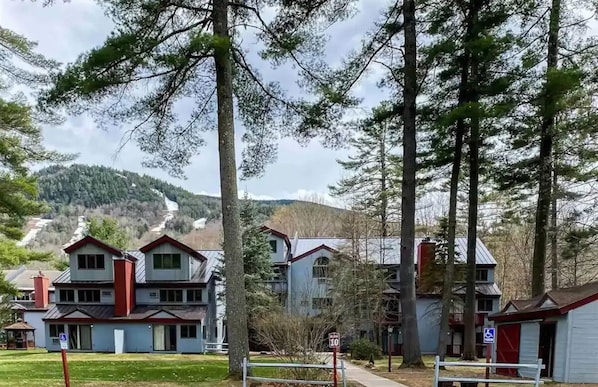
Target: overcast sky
column 65, row 30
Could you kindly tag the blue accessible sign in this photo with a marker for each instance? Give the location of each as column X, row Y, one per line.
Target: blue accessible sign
column 63, row 341
column 489, row 335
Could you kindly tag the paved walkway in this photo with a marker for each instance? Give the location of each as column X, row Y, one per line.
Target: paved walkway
column 368, row 379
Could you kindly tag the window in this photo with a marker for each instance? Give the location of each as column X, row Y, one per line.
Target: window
column 204, row 332
column 88, row 295
column 91, row 261
column 56, row 330
column 481, row 275
column 167, row 261
column 188, row 331
column 273, row 246
column 484, row 305
column 216, row 331
column 321, row 303
column 171, row 295
column 194, row 295
column 67, row 295
column 153, row 294
column 320, row 269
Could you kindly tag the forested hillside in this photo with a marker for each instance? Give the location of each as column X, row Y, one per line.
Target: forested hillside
column 143, row 205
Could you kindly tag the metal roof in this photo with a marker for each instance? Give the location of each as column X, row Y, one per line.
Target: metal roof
column 22, row 278
column 387, row 250
column 106, row 312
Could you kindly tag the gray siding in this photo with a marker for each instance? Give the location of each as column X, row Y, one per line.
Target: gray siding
column 138, row 338
column 528, row 347
column 281, row 249
column 428, row 324
column 143, row 296
column 91, row 274
column 560, row 349
column 583, row 348
column 304, row 286
column 181, row 274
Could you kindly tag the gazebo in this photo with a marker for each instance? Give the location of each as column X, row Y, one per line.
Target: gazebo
column 20, row 335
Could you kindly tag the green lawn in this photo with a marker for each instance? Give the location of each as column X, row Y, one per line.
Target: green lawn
column 37, row 368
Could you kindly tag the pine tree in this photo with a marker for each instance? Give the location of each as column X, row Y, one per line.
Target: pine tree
column 374, row 181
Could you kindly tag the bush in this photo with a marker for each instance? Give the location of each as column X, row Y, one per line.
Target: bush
column 362, row 349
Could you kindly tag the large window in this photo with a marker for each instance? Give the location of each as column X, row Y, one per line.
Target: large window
column 194, row 295
column 167, row 261
column 188, row 331
column 484, row 305
column 321, row 303
column 91, row 261
column 164, row 337
column 320, row 269
column 88, row 295
column 171, row 295
column 56, row 329
column 481, row 275
column 67, row 295
column 273, row 246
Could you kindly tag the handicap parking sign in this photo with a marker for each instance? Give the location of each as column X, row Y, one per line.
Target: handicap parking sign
column 63, row 342
column 489, row 335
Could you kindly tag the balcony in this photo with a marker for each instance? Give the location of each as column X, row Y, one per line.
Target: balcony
column 278, row 286
column 457, row 319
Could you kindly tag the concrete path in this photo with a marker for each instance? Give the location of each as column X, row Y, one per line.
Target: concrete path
column 368, row 379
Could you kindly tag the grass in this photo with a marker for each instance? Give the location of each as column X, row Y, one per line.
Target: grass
column 425, row 378
column 39, row 368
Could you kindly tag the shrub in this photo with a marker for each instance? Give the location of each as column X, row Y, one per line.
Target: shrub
column 363, row 349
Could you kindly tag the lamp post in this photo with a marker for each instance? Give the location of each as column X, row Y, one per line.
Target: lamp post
column 389, row 348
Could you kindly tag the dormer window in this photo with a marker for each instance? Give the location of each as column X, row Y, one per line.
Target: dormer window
column 167, row 261
column 320, row 269
column 273, row 246
column 91, row 261
column 481, row 275
column 89, row 295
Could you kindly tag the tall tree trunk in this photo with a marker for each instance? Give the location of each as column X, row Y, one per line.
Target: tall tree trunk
column 553, row 229
column 449, row 275
column 412, row 353
column 546, row 140
column 383, row 186
column 469, row 340
column 236, row 310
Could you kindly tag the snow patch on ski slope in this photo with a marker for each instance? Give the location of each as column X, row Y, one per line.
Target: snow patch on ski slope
column 171, row 207
column 79, row 231
column 200, row 223
column 31, row 234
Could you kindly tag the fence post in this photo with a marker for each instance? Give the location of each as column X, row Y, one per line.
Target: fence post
column 244, row 372
column 343, row 373
column 436, row 370
column 538, row 373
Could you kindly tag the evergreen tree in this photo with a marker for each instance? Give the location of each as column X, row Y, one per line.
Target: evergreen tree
column 108, row 231
column 374, row 181
column 191, row 49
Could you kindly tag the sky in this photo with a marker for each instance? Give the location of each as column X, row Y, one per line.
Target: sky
column 65, row 30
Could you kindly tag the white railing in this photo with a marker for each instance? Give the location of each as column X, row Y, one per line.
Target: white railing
column 215, row 347
column 538, row 367
column 247, row 365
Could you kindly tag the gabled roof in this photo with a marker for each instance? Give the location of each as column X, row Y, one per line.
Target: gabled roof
column 314, row 250
column 96, row 242
column 167, row 239
column 106, row 312
column 279, row 234
column 552, row 303
column 22, row 278
column 19, row 326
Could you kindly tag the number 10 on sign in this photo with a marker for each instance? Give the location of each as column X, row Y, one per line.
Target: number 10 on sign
column 334, row 342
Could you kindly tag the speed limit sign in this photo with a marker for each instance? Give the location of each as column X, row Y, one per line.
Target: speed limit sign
column 334, row 340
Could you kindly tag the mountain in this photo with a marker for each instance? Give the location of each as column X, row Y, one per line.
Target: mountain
column 143, row 205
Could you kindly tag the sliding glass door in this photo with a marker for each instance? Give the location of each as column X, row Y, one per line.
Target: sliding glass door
column 79, row 337
column 164, row 337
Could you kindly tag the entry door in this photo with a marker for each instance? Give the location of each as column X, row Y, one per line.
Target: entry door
column 165, row 337
column 507, row 347
column 546, row 348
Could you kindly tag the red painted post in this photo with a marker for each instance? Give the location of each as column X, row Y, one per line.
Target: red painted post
column 334, row 374
column 65, row 369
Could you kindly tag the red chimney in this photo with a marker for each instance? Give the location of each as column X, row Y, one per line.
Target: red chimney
column 41, row 285
column 426, row 253
column 124, row 286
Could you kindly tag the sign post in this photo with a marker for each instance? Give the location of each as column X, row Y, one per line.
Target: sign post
column 65, row 366
column 389, row 344
column 334, row 342
column 489, row 340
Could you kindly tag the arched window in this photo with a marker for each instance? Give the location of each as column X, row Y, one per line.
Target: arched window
column 320, row 269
